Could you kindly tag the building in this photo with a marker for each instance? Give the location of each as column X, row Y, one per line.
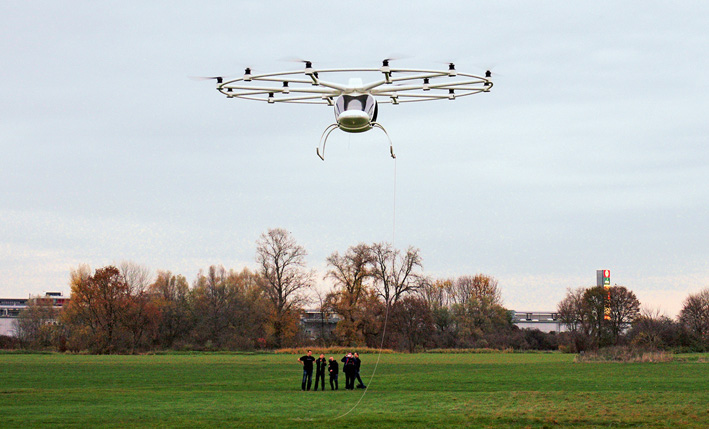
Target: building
column 10, row 309
column 316, row 324
column 545, row 321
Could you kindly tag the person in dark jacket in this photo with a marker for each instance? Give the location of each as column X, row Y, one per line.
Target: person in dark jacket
column 307, row 362
column 320, row 365
column 348, row 367
column 358, row 363
column 334, row 369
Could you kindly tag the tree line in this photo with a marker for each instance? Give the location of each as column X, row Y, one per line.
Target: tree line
column 380, row 295
column 597, row 317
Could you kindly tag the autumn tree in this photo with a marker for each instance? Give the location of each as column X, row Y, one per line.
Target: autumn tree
column 411, row 323
column 98, row 309
column 170, row 293
column 372, row 317
column 478, row 287
column 282, row 265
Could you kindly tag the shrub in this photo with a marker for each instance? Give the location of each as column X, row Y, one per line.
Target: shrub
column 624, row 354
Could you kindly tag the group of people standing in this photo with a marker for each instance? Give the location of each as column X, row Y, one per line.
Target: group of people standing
column 350, row 366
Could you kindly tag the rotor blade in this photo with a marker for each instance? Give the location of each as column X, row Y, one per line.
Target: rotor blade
column 219, row 79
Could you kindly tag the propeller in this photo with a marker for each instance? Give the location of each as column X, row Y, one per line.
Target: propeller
column 308, row 63
column 385, row 66
column 219, row 79
column 489, row 70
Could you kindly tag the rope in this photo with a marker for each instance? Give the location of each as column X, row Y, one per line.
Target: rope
column 386, row 314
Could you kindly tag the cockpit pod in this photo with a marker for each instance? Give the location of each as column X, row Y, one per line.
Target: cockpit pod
column 356, row 113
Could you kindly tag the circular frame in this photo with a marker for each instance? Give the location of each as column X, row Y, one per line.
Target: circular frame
column 394, row 85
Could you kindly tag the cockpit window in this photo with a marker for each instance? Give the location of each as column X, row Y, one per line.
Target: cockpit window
column 364, row 103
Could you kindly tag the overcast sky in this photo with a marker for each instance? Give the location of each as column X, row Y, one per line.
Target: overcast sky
column 590, row 152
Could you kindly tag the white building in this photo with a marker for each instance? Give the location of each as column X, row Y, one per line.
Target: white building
column 545, row 321
column 10, row 308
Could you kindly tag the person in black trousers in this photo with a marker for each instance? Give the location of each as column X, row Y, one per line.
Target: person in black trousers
column 320, row 365
column 307, row 362
column 358, row 363
column 348, row 367
column 333, row 367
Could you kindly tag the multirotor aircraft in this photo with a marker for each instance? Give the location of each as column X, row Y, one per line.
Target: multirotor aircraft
column 356, row 103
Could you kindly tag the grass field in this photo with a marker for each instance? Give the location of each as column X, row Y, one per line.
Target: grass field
column 408, row 390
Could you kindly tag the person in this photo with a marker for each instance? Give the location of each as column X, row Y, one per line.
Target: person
column 307, row 362
column 320, row 365
column 348, row 367
column 333, row 367
column 357, row 364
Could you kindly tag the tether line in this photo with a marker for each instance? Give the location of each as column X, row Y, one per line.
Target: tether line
column 386, row 314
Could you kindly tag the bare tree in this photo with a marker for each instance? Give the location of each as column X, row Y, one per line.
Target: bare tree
column 654, row 330
column 395, row 273
column 437, row 293
column 350, row 270
column 136, row 276
column 571, row 312
column 349, row 273
column 282, row 264
column 142, row 314
column 214, row 306
column 694, row 315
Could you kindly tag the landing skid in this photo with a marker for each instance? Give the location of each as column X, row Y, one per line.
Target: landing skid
column 333, row 127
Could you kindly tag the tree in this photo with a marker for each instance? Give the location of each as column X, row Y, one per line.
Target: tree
column 412, row 322
column 142, row 317
column 624, row 309
column 595, row 301
column 573, row 317
column 349, row 273
column 171, row 295
column 98, row 309
column 350, row 270
column 35, row 324
column 694, row 316
column 282, row 265
column 570, row 310
column 583, row 311
column 438, row 295
column 371, row 316
column 395, row 273
column 481, row 320
column 215, row 305
column 477, row 287
column 653, row 330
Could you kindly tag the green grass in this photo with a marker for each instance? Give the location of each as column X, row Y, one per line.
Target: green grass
column 416, row 390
